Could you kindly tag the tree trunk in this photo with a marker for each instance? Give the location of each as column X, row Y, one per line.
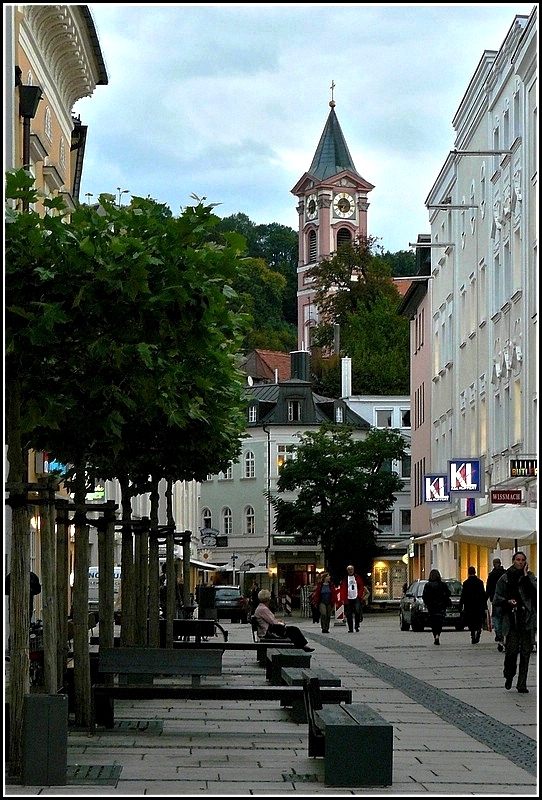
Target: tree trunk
column 81, row 673
column 19, row 568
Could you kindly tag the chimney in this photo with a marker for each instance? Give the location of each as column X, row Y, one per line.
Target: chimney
column 346, row 377
column 300, row 365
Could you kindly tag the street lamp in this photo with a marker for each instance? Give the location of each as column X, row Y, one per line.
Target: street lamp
column 121, row 192
column 29, row 97
column 234, row 558
column 88, row 195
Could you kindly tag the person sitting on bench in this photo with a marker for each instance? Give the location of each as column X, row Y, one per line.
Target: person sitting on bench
column 269, row 624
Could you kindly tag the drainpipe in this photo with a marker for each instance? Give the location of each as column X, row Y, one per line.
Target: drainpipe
column 268, row 484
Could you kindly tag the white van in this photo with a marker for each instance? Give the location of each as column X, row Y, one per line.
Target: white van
column 93, row 581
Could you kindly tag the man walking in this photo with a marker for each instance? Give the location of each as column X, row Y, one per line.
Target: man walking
column 515, row 594
column 496, row 612
column 473, row 604
column 351, row 591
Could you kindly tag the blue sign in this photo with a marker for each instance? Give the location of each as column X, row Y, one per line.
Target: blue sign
column 435, row 489
column 466, row 477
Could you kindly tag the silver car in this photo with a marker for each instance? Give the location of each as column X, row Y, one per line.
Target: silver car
column 413, row 612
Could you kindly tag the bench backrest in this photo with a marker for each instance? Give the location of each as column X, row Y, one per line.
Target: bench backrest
column 254, row 626
column 313, row 702
column 160, row 661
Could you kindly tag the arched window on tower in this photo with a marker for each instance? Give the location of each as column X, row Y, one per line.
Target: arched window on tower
column 313, row 250
column 344, row 236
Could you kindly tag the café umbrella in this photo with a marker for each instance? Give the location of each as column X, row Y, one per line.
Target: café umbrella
column 506, row 527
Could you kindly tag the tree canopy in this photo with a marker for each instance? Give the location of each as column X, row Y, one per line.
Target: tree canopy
column 275, row 247
column 342, row 485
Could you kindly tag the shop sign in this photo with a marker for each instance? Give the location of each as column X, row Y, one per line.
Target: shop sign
column 435, row 489
column 506, row 496
column 466, row 477
column 523, row 467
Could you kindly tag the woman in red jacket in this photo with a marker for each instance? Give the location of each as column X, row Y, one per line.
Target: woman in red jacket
column 323, row 598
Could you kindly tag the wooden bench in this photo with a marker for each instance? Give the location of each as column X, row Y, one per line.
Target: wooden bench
column 260, row 647
column 293, row 676
column 105, row 695
column 355, row 741
column 278, row 657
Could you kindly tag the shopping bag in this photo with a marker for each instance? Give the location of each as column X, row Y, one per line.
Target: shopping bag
column 487, row 621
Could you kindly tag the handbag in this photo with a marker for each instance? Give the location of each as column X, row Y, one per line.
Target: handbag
column 487, row 621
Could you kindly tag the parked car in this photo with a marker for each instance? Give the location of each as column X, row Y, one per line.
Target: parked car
column 413, row 611
column 230, row 603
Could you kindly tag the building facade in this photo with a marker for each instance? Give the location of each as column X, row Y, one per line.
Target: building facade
column 474, row 320
column 52, row 58
column 235, row 503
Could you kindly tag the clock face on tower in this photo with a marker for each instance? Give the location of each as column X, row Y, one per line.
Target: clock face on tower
column 343, row 205
column 311, row 206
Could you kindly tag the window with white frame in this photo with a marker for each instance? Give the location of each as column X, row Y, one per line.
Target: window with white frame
column 339, row 414
column 252, row 413
column 206, row 518
column 405, row 466
column 226, row 476
column 250, row 526
column 384, row 417
column 227, row 521
column 250, row 468
column 405, row 520
column 285, row 452
column 294, row 410
column 405, row 417
column 385, row 522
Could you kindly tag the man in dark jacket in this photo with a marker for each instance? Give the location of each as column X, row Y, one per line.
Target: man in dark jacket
column 496, row 613
column 473, row 604
column 516, row 594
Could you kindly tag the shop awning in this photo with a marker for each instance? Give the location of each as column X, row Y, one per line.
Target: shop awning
column 203, row 564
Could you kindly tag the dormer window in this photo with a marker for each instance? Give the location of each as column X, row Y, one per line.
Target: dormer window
column 339, row 414
column 252, row 414
column 294, row 411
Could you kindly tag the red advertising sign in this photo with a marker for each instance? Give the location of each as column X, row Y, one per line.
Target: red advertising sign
column 506, row 496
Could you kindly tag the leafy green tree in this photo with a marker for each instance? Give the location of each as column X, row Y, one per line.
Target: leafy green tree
column 115, row 318
column 355, row 291
column 402, row 263
column 341, row 485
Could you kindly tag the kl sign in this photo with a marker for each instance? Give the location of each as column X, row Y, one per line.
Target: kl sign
column 464, row 479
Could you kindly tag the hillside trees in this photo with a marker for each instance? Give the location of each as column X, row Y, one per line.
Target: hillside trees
column 355, row 292
column 277, row 246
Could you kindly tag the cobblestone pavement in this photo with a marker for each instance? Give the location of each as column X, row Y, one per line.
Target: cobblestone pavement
column 456, row 730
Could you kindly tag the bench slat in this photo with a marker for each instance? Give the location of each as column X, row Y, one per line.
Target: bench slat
column 159, row 661
column 293, row 676
column 278, row 658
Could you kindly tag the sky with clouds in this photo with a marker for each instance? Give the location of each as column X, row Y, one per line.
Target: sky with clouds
column 228, row 101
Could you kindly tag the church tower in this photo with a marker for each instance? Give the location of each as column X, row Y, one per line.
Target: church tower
column 332, row 211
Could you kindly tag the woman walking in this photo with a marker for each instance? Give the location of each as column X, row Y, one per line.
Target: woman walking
column 436, row 595
column 323, row 598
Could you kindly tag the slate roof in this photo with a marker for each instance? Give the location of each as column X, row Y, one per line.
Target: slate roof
column 261, row 365
column 272, row 400
column 332, row 154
